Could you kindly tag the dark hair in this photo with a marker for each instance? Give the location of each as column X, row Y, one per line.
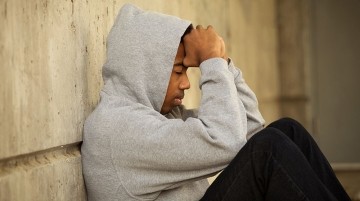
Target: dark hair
column 188, row 30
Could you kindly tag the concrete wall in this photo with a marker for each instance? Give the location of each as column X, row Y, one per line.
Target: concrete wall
column 294, row 59
column 51, row 55
column 336, row 70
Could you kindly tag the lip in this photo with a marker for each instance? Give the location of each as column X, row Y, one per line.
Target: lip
column 178, row 100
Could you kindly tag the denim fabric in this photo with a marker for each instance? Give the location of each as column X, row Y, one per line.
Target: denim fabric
column 281, row 162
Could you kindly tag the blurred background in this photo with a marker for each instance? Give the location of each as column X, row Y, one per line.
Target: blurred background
column 301, row 58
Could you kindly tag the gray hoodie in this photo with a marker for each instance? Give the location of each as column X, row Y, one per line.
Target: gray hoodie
column 131, row 151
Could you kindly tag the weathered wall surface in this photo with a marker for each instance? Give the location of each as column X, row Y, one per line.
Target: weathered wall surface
column 294, row 59
column 51, row 55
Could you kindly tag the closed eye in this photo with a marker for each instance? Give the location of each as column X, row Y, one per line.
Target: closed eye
column 179, row 69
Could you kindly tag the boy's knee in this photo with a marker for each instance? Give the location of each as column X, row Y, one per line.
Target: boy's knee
column 284, row 122
column 268, row 138
column 288, row 120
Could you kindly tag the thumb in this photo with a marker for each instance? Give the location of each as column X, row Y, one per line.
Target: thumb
column 223, row 49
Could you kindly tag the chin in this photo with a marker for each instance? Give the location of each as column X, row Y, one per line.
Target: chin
column 165, row 111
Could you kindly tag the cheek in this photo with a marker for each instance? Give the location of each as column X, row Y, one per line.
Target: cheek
column 174, row 83
column 175, row 86
column 170, row 90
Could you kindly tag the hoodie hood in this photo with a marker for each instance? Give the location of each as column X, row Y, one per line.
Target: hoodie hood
column 141, row 49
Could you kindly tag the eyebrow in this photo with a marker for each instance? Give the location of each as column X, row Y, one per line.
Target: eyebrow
column 178, row 63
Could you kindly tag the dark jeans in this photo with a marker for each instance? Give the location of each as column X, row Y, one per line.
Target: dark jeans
column 281, row 162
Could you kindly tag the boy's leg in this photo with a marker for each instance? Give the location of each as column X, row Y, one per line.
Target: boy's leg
column 269, row 167
column 301, row 137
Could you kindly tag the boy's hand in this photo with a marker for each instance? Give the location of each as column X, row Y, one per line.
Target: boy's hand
column 202, row 44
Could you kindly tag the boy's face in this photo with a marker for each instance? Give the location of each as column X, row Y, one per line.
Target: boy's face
column 177, row 84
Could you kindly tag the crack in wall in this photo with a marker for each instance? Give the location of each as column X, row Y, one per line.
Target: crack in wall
column 27, row 162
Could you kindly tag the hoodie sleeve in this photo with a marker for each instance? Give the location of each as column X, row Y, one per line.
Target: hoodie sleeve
column 160, row 154
column 255, row 121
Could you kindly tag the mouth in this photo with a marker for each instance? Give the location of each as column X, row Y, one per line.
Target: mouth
column 178, row 100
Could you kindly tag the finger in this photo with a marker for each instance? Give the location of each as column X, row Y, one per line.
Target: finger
column 223, row 48
column 221, row 40
column 210, row 27
column 199, row 26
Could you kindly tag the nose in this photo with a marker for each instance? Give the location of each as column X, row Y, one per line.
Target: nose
column 185, row 83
